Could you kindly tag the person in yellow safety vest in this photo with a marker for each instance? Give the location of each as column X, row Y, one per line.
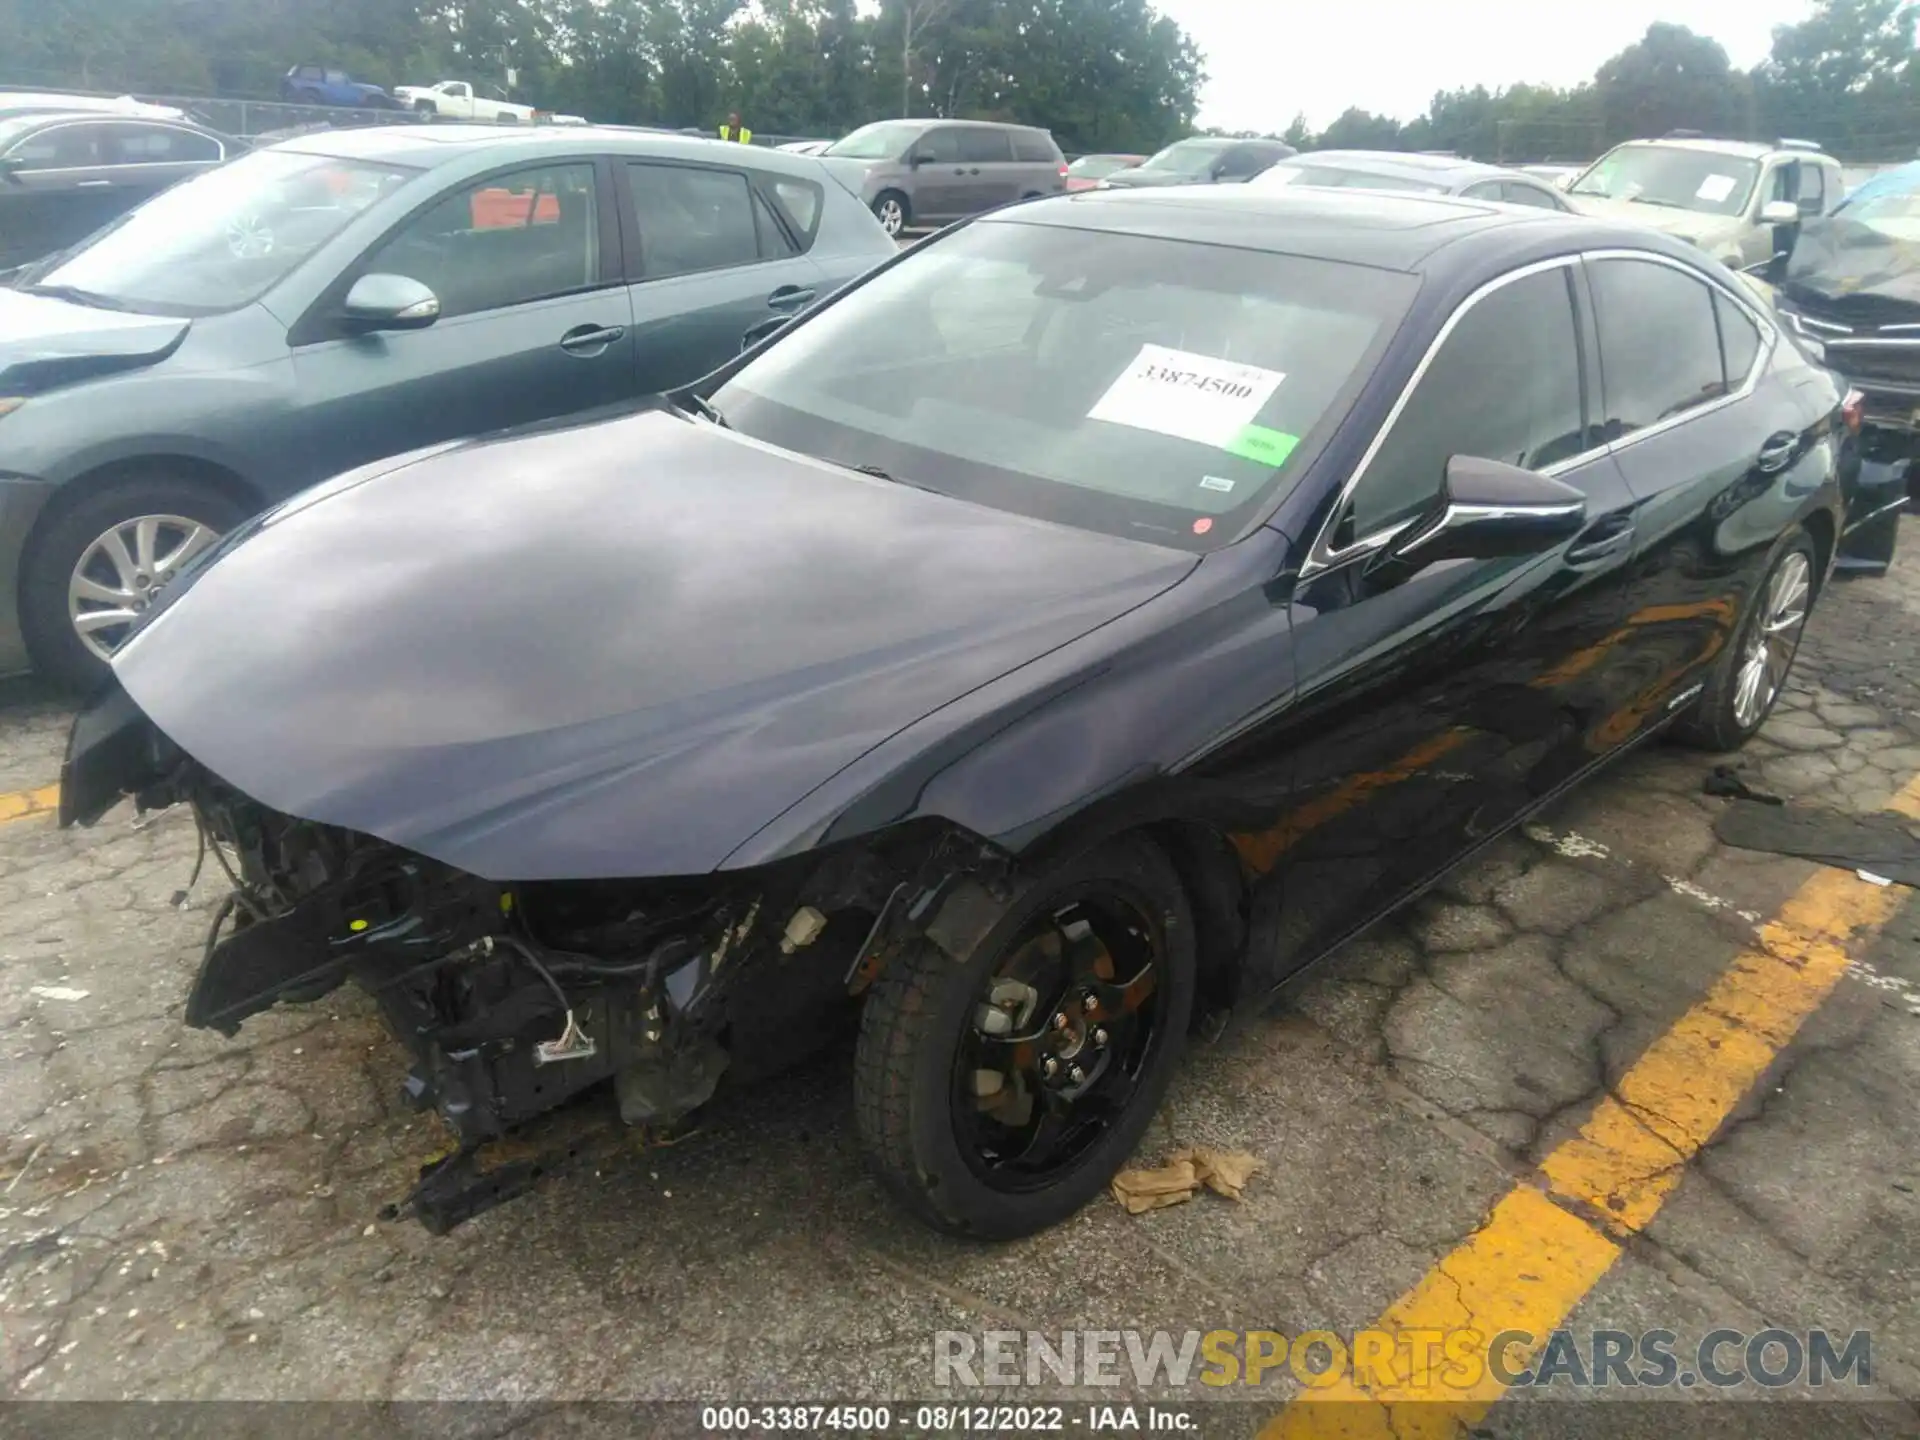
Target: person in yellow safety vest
column 734, row 130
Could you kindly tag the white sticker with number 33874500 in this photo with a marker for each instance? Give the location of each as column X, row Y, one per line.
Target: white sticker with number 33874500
column 1195, row 397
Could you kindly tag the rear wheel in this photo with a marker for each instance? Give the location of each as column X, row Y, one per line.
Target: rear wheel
column 1749, row 675
column 890, row 209
column 998, row 1093
column 94, row 571
column 426, row 107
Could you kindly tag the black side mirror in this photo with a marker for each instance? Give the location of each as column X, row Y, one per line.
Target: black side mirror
column 1488, row 510
column 10, row 166
column 917, row 159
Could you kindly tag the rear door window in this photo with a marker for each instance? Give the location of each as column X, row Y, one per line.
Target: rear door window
column 1659, row 342
column 160, row 145
column 985, row 147
column 692, row 219
column 1505, row 385
column 1034, row 148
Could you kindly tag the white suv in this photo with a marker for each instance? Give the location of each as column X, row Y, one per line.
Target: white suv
column 1726, row 196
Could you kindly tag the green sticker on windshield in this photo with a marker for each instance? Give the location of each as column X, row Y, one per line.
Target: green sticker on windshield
column 1257, row 442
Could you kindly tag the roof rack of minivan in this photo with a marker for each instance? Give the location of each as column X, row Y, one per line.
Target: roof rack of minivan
column 1785, row 143
column 1684, row 135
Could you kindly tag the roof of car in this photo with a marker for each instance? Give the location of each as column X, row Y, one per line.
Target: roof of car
column 1448, row 168
column 1386, row 230
column 424, row 146
column 21, row 102
column 963, row 124
column 1741, row 149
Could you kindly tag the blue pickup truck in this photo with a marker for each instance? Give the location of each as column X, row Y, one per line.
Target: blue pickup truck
column 319, row 85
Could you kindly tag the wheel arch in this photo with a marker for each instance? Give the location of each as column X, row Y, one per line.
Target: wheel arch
column 167, row 465
column 228, row 483
column 1820, row 528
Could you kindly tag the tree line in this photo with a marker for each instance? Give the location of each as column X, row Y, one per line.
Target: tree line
column 1109, row 73
column 1846, row 77
column 1102, row 74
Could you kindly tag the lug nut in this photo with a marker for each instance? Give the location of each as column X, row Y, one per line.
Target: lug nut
column 1049, row 1067
column 1099, row 1038
column 1061, row 1022
column 1076, row 1074
column 1090, row 1002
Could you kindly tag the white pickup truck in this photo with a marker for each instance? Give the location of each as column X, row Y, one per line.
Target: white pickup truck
column 458, row 100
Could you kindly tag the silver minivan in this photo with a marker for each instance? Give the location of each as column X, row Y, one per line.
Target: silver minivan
column 930, row 172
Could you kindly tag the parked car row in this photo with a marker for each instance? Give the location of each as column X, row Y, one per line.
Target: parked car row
column 345, row 296
column 64, row 174
column 1114, row 602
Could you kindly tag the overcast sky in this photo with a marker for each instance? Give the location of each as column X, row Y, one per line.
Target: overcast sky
column 1267, row 60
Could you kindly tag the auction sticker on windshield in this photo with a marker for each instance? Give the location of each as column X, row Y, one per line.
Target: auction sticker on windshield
column 1715, row 188
column 1192, row 397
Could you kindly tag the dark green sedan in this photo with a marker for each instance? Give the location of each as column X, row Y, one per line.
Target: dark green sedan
column 344, row 297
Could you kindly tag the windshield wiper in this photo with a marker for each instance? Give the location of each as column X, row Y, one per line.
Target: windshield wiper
column 76, row 296
column 877, row 473
column 1663, row 204
column 704, row 408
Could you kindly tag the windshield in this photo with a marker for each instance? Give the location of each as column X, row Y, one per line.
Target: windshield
column 1189, row 157
column 1672, row 177
column 13, row 129
column 885, row 141
column 225, row 238
column 1293, row 172
column 1097, row 167
column 1159, row 389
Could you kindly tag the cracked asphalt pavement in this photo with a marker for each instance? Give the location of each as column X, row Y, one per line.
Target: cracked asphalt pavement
column 183, row 1216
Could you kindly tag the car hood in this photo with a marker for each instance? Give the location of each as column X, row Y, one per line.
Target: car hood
column 47, row 342
column 851, row 173
column 601, row 650
column 1688, row 225
column 1861, row 273
column 1151, row 179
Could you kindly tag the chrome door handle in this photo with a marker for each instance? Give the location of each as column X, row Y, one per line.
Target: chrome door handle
column 1603, row 541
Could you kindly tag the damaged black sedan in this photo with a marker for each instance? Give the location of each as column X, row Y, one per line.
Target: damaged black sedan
column 1098, row 613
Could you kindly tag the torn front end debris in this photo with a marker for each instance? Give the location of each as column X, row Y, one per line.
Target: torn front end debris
column 515, row 999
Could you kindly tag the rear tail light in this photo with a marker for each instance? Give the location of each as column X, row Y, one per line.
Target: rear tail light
column 1063, row 172
column 1852, row 410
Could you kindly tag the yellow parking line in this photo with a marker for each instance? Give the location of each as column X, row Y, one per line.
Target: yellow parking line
column 1546, row 1244
column 25, row 804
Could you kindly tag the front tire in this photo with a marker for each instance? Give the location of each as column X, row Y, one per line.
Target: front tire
column 997, row 1093
column 1747, row 678
column 94, row 569
column 890, row 209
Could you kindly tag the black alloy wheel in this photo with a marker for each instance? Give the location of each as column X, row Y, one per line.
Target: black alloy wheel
column 1000, row 1092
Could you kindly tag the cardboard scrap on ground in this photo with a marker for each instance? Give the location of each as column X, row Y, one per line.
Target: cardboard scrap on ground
column 1225, row 1172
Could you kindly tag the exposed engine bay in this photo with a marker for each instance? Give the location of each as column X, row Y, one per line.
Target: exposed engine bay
column 513, row 1000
